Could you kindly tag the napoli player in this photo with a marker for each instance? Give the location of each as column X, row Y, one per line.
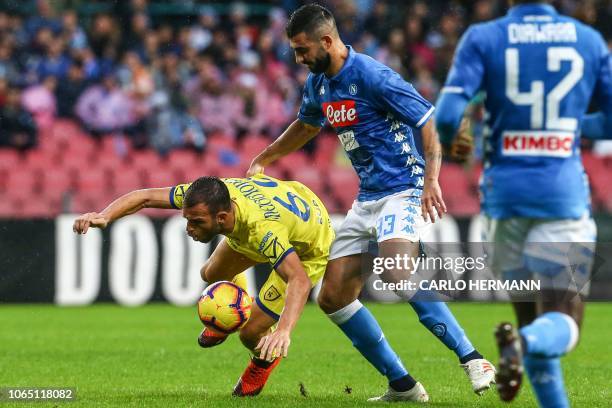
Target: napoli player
column 372, row 109
column 539, row 70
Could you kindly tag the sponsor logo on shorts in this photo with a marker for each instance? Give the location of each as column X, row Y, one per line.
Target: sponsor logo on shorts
column 537, row 143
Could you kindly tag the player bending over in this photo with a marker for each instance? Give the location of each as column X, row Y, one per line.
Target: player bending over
column 263, row 220
column 539, row 70
column 372, row 109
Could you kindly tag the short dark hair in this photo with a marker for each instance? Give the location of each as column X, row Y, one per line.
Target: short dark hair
column 210, row 191
column 309, row 19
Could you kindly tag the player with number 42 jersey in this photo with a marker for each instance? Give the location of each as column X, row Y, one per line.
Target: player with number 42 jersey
column 539, row 70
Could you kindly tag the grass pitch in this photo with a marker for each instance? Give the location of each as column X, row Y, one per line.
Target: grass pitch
column 148, row 356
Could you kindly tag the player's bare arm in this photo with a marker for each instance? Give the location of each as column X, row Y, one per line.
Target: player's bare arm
column 298, row 288
column 127, row 204
column 432, row 200
column 294, row 137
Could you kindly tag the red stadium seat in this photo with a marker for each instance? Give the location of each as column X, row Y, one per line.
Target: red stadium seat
column 9, row 208
column 183, row 160
column 9, row 159
column 294, row 160
column 39, row 208
column 162, row 178
column 93, row 180
column 218, row 141
column 56, row 182
column 22, row 183
column 344, row 185
column 125, row 179
column 146, row 160
column 309, row 176
column 251, row 146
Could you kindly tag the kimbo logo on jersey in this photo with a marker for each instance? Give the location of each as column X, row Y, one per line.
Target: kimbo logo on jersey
column 341, row 113
column 537, row 143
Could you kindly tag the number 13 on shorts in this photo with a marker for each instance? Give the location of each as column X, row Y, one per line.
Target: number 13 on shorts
column 385, row 226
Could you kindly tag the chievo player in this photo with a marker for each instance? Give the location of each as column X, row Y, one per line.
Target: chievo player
column 539, row 70
column 372, row 109
column 262, row 219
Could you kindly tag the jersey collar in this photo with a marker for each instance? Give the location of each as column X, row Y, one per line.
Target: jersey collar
column 531, row 8
column 347, row 64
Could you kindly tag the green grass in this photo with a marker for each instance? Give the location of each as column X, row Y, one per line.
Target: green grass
column 148, row 356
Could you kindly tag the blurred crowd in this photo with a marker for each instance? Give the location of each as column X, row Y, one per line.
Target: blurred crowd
column 172, row 82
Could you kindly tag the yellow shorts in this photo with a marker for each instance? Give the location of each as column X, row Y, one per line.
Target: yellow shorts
column 271, row 297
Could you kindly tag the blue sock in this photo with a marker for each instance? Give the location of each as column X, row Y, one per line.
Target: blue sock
column 438, row 319
column 550, row 335
column 362, row 328
column 546, row 380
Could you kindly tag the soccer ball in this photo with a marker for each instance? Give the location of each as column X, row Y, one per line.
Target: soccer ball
column 224, row 307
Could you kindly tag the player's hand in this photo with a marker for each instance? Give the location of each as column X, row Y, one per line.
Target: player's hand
column 274, row 345
column 462, row 147
column 89, row 220
column 255, row 168
column 431, row 201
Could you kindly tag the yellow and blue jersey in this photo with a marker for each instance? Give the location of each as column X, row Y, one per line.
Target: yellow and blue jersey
column 273, row 219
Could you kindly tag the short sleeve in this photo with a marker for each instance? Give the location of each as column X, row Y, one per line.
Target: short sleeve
column 396, row 96
column 272, row 242
column 310, row 110
column 467, row 71
column 177, row 194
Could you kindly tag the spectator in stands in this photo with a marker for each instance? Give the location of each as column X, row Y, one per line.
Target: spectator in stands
column 17, row 126
column 72, row 33
column 105, row 108
column 55, row 62
column 39, row 100
column 68, row 90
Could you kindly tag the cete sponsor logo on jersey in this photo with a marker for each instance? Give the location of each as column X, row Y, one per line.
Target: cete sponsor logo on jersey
column 537, row 143
column 341, row 113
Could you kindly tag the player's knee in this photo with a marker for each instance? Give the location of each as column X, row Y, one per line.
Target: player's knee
column 328, row 302
column 204, row 272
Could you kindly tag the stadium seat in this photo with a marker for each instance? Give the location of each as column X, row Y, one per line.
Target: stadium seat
column 344, row 185
column 56, row 182
column 327, row 146
column 309, row 176
column 93, row 180
column 220, row 141
column 9, row 159
column 161, row 178
column 22, row 183
column 251, row 146
column 39, row 208
column 294, row 160
column 146, row 160
column 184, row 159
column 125, row 179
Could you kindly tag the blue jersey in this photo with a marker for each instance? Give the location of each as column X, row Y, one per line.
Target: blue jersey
column 539, row 70
column 372, row 109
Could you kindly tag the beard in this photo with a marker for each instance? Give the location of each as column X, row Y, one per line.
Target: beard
column 320, row 64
